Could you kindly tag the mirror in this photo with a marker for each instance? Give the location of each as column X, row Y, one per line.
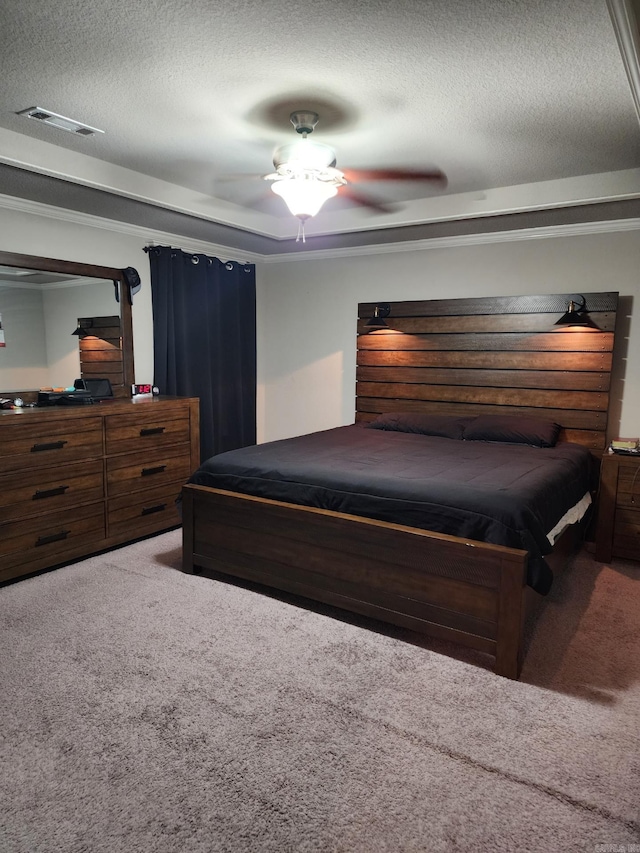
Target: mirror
column 41, row 300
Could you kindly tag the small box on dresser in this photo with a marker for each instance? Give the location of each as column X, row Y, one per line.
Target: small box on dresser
column 77, row 480
column 618, row 528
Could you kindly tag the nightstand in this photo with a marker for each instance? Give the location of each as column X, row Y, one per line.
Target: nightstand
column 618, row 530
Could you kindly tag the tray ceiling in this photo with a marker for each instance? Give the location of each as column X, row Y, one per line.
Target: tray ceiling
column 526, row 106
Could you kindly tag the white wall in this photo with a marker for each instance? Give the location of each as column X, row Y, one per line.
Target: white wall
column 23, row 361
column 307, row 307
column 310, row 310
column 62, row 308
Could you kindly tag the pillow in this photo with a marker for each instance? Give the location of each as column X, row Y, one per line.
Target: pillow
column 446, row 426
column 512, row 429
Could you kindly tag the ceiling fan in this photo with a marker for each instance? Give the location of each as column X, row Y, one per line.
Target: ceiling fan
column 306, row 175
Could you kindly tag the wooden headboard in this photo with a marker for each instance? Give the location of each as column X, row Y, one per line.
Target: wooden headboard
column 491, row 355
column 101, row 352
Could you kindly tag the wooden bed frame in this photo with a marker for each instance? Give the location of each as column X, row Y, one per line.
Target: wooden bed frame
column 466, row 356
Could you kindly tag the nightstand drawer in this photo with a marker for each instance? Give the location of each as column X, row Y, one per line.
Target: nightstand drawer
column 51, row 535
column 626, row 534
column 143, row 512
column 618, row 531
column 628, row 491
column 37, row 492
column 140, row 431
column 26, row 445
column 135, row 471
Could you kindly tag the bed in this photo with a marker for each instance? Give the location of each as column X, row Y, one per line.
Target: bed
column 452, row 492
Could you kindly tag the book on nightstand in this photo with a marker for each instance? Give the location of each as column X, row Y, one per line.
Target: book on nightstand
column 625, row 445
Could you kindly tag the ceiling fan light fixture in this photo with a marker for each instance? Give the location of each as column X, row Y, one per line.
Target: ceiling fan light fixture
column 304, row 194
column 306, row 175
column 305, row 154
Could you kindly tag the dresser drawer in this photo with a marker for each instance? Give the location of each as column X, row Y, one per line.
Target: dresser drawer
column 144, row 512
column 51, row 535
column 36, row 445
column 135, row 471
column 142, row 430
column 34, row 493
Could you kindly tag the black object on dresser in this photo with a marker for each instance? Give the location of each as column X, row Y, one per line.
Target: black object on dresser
column 77, row 480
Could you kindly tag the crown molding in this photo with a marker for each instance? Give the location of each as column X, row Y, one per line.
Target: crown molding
column 516, row 235
column 45, row 158
column 625, row 27
column 151, row 237
column 16, row 284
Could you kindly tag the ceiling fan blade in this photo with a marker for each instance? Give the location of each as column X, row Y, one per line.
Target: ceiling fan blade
column 434, row 175
column 365, row 200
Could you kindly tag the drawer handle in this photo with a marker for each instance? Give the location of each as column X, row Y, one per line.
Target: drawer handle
column 52, row 445
column 49, row 493
column 151, row 430
column 148, row 510
column 147, row 472
column 54, row 537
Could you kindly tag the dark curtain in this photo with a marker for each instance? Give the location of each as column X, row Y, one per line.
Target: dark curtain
column 204, row 339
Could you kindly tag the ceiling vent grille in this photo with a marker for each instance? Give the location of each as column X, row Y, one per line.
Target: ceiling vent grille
column 61, row 122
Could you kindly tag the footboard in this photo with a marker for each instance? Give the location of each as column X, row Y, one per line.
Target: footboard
column 458, row 590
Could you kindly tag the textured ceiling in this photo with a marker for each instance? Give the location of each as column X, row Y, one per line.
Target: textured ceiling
column 524, row 104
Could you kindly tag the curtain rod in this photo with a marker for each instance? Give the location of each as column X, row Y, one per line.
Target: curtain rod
column 192, row 252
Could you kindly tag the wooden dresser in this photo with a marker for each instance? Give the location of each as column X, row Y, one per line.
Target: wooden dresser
column 618, row 530
column 76, row 480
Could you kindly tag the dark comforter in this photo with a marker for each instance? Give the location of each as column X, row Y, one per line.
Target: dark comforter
column 505, row 494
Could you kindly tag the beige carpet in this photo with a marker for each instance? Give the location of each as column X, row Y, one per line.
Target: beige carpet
column 148, row 711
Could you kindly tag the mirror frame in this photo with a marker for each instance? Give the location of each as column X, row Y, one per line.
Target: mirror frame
column 34, row 262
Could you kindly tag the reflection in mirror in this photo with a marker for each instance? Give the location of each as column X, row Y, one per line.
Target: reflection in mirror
column 39, row 312
column 41, row 302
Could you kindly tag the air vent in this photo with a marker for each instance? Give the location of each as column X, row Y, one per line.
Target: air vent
column 61, row 122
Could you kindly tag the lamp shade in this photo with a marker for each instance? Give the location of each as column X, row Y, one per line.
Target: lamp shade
column 576, row 316
column 377, row 321
column 304, row 195
column 82, row 329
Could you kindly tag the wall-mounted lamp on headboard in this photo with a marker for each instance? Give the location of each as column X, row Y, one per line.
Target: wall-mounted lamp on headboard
column 576, row 316
column 82, row 329
column 382, row 310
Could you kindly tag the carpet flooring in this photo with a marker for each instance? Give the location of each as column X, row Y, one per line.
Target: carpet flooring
column 148, row 711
